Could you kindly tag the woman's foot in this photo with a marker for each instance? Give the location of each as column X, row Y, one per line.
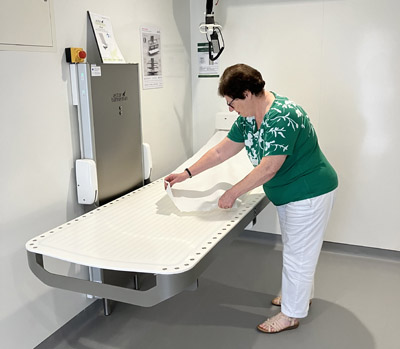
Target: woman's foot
column 278, row 301
column 278, row 323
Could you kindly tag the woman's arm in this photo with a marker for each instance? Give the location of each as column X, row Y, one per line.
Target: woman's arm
column 261, row 174
column 216, row 155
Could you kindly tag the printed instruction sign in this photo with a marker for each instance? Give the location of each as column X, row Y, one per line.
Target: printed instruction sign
column 207, row 67
column 151, row 57
column 106, row 43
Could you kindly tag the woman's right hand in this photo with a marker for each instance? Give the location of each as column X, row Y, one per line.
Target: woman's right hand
column 175, row 178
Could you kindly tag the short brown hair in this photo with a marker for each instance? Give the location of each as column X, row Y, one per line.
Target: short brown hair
column 239, row 78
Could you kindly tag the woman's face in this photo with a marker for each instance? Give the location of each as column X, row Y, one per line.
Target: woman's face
column 241, row 106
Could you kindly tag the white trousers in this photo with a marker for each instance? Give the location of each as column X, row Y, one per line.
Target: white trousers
column 303, row 225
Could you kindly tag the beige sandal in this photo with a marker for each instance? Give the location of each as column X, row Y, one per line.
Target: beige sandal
column 278, row 323
column 278, row 301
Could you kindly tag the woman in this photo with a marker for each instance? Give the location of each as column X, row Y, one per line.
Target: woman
column 282, row 145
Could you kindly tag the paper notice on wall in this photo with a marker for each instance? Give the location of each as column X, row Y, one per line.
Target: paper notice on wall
column 106, row 43
column 151, row 57
column 207, row 67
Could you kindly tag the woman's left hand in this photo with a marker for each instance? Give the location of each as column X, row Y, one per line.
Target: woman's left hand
column 227, row 200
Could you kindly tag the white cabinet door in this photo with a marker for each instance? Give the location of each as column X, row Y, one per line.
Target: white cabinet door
column 26, row 23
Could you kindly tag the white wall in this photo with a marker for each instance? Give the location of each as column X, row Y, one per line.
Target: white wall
column 339, row 60
column 336, row 58
column 39, row 143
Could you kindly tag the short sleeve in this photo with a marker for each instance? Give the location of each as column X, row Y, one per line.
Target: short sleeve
column 281, row 134
column 236, row 132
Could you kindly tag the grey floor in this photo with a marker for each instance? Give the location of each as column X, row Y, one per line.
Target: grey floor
column 356, row 305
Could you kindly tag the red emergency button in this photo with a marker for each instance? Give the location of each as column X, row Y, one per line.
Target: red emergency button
column 75, row 54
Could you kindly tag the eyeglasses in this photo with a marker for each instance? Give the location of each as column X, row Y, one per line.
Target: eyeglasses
column 230, row 103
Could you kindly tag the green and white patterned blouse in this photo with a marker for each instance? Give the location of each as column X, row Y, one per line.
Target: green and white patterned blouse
column 287, row 130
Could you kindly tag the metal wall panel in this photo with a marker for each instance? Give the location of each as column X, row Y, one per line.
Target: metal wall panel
column 117, row 129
